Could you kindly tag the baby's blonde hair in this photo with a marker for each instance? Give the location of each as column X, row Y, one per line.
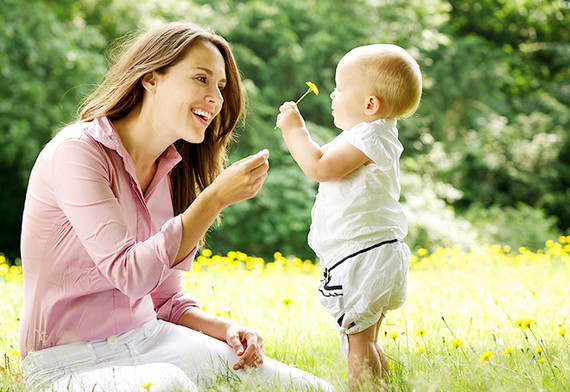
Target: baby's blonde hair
column 394, row 75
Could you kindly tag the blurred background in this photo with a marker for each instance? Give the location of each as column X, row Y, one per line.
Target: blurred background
column 487, row 155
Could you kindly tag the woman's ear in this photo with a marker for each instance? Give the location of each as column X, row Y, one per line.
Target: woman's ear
column 149, row 82
column 373, row 105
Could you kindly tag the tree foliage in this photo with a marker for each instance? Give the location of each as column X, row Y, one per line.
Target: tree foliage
column 492, row 132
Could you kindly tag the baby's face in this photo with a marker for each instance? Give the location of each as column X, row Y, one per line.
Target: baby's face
column 349, row 98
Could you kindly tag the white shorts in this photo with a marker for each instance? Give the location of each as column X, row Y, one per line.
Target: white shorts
column 359, row 288
column 169, row 356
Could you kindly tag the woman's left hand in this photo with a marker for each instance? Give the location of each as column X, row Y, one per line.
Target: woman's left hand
column 247, row 344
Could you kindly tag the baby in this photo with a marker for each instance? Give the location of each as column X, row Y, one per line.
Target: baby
column 357, row 221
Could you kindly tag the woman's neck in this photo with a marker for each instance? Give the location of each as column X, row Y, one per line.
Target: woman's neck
column 143, row 143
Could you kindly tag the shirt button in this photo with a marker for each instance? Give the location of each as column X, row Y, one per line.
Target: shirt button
column 112, row 340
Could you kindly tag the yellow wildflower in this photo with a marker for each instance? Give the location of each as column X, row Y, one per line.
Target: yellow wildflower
column 508, row 351
column 519, row 323
column 312, row 87
column 206, row 253
column 538, row 350
column 485, row 356
column 542, row 360
column 420, row 350
column 394, row 335
column 286, row 302
column 146, row 386
column 421, row 332
column 456, row 343
column 527, row 323
column 422, row 252
column 562, row 332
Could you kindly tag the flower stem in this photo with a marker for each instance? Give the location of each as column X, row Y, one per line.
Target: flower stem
column 303, row 96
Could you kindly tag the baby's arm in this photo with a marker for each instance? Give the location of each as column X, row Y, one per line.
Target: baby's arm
column 321, row 164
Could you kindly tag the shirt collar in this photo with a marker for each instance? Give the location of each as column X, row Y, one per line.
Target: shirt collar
column 103, row 131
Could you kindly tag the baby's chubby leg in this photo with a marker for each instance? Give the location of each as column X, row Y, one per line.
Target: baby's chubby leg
column 366, row 359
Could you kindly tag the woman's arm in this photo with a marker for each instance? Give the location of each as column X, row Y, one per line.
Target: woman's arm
column 81, row 186
column 240, row 181
column 247, row 343
column 318, row 163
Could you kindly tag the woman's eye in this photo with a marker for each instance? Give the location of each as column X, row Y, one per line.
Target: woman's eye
column 201, row 79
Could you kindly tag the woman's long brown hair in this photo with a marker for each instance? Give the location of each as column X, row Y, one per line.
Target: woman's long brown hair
column 121, row 91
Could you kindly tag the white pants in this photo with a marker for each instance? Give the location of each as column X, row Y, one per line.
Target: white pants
column 168, row 356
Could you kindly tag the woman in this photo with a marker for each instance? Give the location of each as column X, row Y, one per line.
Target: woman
column 116, row 207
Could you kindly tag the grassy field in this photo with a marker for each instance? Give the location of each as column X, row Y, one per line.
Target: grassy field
column 487, row 318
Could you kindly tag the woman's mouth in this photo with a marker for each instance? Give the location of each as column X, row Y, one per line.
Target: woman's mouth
column 202, row 115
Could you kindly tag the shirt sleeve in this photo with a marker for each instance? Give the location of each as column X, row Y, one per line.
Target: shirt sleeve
column 378, row 143
column 81, row 186
column 170, row 302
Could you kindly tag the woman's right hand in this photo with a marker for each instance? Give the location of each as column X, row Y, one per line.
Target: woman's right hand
column 242, row 180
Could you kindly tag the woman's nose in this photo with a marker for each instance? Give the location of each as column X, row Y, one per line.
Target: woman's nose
column 215, row 96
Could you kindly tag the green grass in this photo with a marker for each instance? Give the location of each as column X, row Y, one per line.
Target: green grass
column 451, row 335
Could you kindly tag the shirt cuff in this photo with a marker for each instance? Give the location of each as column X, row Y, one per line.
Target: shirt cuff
column 172, row 236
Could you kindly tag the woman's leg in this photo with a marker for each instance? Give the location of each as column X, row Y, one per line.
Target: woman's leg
column 156, row 377
column 205, row 359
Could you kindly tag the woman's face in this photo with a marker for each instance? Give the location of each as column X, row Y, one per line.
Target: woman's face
column 189, row 95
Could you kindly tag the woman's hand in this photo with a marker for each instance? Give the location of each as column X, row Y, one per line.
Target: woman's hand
column 240, row 181
column 247, row 344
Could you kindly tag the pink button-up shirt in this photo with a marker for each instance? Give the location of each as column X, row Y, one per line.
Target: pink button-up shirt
column 97, row 254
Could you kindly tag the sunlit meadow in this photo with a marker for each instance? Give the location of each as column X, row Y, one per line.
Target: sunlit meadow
column 486, row 318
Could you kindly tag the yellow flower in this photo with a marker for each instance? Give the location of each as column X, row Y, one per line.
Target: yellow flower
column 146, row 386
column 421, row 332
column 394, row 335
column 456, row 343
column 562, row 332
column 286, row 301
column 538, row 350
column 420, row 350
column 524, row 323
column 508, row 351
column 206, row 253
column 485, row 356
column 422, row 252
column 312, row 87
column 527, row 324
column 542, row 360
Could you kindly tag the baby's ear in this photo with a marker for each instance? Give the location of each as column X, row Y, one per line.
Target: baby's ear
column 373, row 105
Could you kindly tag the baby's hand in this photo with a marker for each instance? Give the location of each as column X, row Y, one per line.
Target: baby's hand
column 290, row 117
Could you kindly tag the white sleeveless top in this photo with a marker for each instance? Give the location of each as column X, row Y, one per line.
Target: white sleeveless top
column 362, row 208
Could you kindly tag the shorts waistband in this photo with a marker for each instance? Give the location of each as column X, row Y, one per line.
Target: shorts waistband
column 363, row 251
